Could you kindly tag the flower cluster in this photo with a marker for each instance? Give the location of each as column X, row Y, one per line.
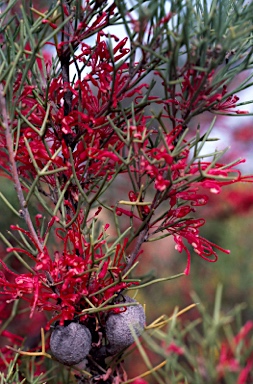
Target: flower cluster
column 198, row 93
column 77, row 155
column 79, row 278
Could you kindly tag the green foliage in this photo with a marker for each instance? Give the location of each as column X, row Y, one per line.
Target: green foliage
column 212, row 348
column 15, row 374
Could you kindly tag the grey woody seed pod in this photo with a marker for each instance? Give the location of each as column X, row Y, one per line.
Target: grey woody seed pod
column 70, row 344
column 118, row 326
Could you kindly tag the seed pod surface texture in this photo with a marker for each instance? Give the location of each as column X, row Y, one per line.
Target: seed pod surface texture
column 118, row 326
column 70, row 344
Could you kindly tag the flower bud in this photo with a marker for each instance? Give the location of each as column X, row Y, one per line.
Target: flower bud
column 119, row 327
column 70, row 344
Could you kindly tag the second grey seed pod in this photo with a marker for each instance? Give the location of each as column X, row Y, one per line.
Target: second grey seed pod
column 70, row 344
column 118, row 326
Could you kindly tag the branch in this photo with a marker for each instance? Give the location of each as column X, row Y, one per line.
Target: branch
column 133, row 256
column 9, row 143
column 64, row 57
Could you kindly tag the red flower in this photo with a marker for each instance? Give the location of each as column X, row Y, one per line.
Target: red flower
column 229, row 104
column 60, row 284
column 175, row 349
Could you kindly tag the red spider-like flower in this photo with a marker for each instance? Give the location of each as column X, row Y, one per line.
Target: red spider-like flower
column 70, row 281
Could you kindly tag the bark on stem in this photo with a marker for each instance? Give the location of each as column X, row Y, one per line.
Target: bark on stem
column 133, row 256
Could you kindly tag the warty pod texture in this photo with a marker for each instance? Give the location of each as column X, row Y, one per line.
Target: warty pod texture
column 118, row 326
column 70, row 344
